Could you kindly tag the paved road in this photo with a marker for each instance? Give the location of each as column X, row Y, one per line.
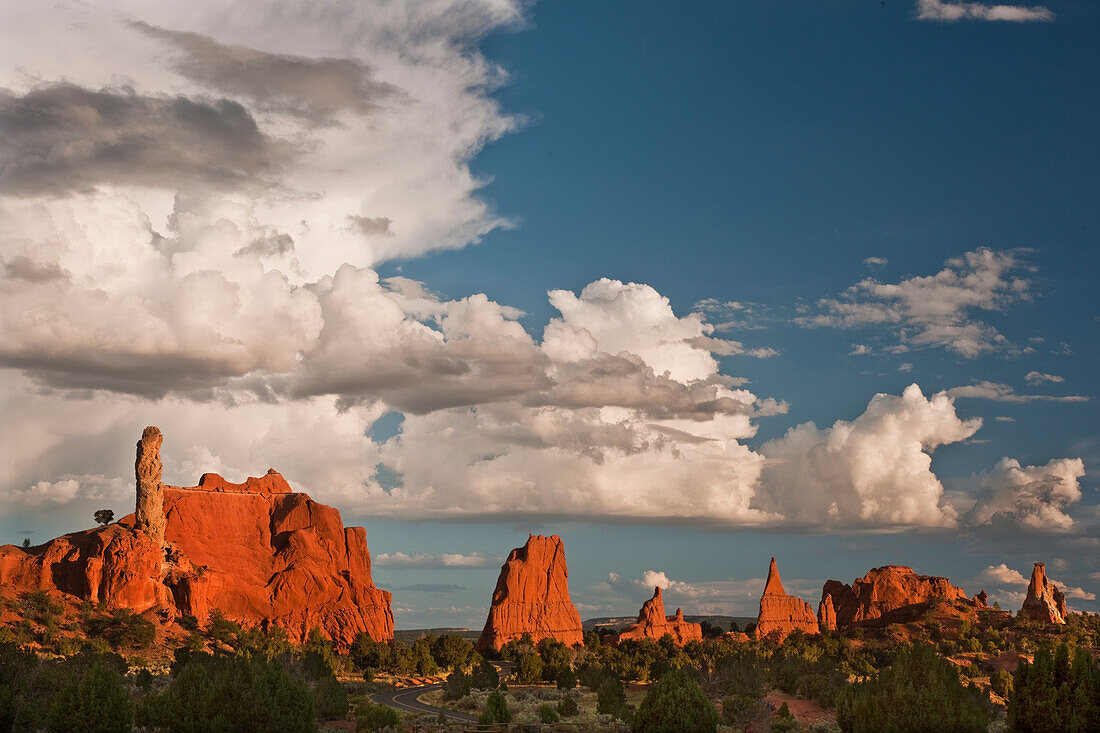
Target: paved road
column 406, row 699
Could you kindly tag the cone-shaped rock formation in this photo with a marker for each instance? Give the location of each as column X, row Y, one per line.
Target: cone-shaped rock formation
column 893, row 593
column 257, row 551
column 653, row 624
column 780, row 613
column 532, row 597
column 1044, row 602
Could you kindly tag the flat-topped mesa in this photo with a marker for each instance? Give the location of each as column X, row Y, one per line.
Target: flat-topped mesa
column 532, row 597
column 1044, row 602
column 653, row 624
column 781, row 614
column 889, row 594
column 149, row 511
column 259, row 552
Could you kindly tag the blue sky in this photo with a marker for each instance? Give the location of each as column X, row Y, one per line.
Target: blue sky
column 797, row 206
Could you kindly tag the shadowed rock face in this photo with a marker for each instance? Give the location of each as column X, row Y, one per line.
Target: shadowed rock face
column 532, row 596
column 653, row 624
column 780, row 613
column 889, row 594
column 1044, row 602
column 257, row 551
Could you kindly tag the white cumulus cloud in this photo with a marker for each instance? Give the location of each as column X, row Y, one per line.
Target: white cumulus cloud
column 945, row 11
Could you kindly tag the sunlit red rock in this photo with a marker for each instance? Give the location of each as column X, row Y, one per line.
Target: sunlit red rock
column 826, row 614
column 149, row 513
column 1044, row 602
column 653, row 624
column 780, row 614
column 259, row 552
column 532, row 596
column 889, row 594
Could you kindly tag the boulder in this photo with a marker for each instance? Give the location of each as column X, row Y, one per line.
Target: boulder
column 532, row 597
column 780, row 614
column 259, row 552
column 653, row 624
column 1044, row 602
column 889, row 594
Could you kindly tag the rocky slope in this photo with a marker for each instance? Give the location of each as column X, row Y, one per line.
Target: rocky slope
column 889, row 594
column 653, row 624
column 780, row 614
column 258, row 551
column 532, row 596
column 1044, row 602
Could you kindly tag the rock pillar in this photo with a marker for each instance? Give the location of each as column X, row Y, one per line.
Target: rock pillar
column 149, row 515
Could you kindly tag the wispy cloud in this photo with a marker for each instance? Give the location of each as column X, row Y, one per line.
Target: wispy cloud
column 999, row 392
column 427, row 560
column 933, row 310
column 950, row 12
column 1034, row 377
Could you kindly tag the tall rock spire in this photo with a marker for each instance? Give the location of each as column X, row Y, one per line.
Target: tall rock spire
column 774, row 586
column 149, row 514
column 1044, row 602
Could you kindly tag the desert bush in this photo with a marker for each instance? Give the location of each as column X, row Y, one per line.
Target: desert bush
column 370, row 716
column 675, row 703
column 919, row 691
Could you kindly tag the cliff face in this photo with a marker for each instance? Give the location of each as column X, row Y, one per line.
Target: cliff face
column 257, row 551
column 653, row 624
column 532, row 596
column 780, row 613
column 893, row 593
column 1044, row 602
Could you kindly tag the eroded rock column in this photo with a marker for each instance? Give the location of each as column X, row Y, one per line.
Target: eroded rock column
column 149, row 516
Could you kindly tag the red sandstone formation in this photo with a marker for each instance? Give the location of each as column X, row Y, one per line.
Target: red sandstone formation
column 653, row 624
column 532, row 596
column 982, row 598
column 826, row 614
column 259, row 552
column 1044, row 602
column 889, row 594
column 780, row 613
column 149, row 513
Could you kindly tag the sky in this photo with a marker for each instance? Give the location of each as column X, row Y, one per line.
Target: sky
column 690, row 285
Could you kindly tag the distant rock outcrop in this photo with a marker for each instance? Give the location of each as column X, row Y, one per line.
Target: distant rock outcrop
column 890, row 594
column 780, row 613
column 532, row 597
column 826, row 614
column 653, row 624
column 259, row 552
column 1044, row 602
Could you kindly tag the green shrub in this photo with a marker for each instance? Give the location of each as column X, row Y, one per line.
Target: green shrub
column 370, row 716
column 528, row 669
column 675, row 703
column 567, row 707
column 547, row 713
column 1000, row 681
column 1053, row 694
column 485, row 676
column 919, row 691
column 330, row 698
column 496, row 710
column 92, row 700
column 123, row 629
column 230, row 693
column 457, row 686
